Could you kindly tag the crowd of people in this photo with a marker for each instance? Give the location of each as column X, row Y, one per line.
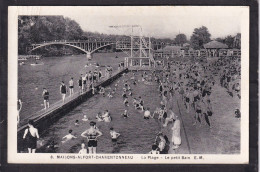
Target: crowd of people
column 183, row 83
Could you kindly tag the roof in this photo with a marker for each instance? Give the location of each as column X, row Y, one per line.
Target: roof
column 215, row 44
column 186, row 44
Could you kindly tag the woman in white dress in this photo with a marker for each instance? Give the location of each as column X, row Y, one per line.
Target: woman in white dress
column 176, row 134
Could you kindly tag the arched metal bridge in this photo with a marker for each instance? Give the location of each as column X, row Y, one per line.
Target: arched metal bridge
column 87, row 47
column 90, row 46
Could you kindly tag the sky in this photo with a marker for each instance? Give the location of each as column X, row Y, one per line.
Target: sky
column 156, row 21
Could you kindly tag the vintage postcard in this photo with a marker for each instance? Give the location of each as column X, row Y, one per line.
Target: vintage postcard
column 128, row 84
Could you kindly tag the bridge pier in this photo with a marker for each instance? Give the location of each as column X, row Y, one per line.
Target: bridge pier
column 89, row 56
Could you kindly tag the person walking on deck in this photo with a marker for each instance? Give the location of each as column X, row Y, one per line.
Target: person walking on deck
column 63, row 91
column 45, row 95
column 71, row 86
column 80, row 82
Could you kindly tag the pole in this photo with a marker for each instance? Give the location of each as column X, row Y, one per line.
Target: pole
column 149, row 46
column 132, row 42
column 140, row 45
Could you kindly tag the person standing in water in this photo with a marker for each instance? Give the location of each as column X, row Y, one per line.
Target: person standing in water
column 31, row 134
column 63, row 91
column 114, row 135
column 45, row 95
column 83, row 149
column 92, row 134
column 147, row 113
column 71, row 86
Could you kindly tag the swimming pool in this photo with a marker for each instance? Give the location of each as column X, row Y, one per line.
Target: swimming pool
column 137, row 134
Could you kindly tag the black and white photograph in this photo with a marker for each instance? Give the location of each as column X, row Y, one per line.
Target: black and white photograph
column 128, row 84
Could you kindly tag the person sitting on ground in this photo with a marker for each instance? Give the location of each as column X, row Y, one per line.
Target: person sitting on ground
column 125, row 114
column 68, row 137
column 114, row 135
column 154, row 150
column 83, row 149
column 85, row 118
column 171, row 117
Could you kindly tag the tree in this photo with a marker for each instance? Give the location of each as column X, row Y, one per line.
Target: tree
column 229, row 40
column 37, row 29
column 220, row 40
column 200, row 37
column 237, row 41
column 180, row 39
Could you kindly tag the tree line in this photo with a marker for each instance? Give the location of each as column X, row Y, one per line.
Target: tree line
column 37, row 29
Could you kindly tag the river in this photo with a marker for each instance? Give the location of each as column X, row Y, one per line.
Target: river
column 32, row 79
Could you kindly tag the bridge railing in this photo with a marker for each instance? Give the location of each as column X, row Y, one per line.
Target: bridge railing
column 76, row 41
